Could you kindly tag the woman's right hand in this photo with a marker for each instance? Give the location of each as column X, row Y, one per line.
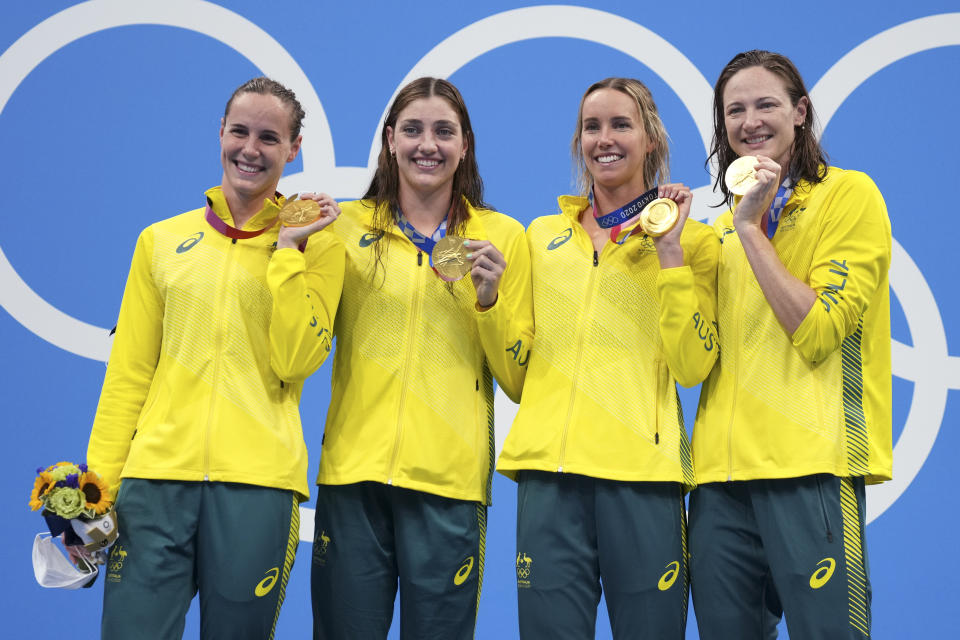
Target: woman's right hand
column 75, row 552
column 756, row 201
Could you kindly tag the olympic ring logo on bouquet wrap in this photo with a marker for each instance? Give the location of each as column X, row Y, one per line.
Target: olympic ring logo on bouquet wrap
column 927, row 363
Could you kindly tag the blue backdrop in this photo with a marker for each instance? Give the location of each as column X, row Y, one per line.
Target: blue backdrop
column 109, row 112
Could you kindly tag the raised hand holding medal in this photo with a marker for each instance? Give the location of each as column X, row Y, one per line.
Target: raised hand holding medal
column 759, row 192
column 487, row 270
column 669, row 251
column 453, row 257
column 303, row 215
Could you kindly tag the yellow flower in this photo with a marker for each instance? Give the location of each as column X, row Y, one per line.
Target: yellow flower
column 96, row 492
column 43, row 483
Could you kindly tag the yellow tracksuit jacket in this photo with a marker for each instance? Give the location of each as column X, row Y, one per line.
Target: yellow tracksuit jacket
column 412, row 397
column 614, row 333
column 213, row 342
column 819, row 401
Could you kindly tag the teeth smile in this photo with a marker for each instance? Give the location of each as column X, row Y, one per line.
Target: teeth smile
column 427, row 164
column 758, row 139
column 613, row 157
column 247, row 168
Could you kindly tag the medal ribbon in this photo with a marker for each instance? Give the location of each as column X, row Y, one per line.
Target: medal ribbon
column 232, row 232
column 420, row 241
column 615, row 219
column 770, row 221
column 625, row 212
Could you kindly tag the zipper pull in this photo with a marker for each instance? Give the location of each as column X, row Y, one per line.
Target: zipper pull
column 419, row 258
column 596, row 258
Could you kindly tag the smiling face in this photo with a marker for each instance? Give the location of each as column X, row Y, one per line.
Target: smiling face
column 613, row 141
column 759, row 116
column 429, row 144
column 255, row 146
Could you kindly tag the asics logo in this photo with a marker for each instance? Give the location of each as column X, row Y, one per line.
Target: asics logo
column 560, row 239
column 668, row 578
column 463, row 572
column 265, row 585
column 188, row 244
column 822, row 575
column 369, row 238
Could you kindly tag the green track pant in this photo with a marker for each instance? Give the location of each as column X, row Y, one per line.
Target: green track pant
column 233, row 543
column 369, row 537
column 578, row 535
column 761, row 549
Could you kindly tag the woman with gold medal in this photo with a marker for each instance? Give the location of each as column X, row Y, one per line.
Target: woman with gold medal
column 226, row 311
column 408, row 450
column 624, row 303
column 795, row 418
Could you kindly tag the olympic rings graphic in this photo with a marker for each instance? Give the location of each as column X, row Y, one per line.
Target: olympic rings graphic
column 927, row 362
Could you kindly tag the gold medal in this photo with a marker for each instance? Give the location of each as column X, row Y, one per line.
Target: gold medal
column 450, row 258
column 299, row 213
column 741, row 175
column 658, row 217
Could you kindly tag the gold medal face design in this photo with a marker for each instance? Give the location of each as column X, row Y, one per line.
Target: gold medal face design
column 658, row 217
column 299, row 213
column 450, row 258
column 740, row 175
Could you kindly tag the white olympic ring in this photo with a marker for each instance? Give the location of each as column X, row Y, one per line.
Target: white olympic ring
column 928, row 362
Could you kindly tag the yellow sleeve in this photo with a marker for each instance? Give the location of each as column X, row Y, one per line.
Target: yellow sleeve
column 688, row 303
column 130, row 370
column 306, row 292
column 506, row 328
column 849, row 262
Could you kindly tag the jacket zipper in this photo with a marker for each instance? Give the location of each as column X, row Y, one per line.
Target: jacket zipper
column 218, row 346
column 411, row 327
column 656, row 404
column 576, row 363
column 736, row 373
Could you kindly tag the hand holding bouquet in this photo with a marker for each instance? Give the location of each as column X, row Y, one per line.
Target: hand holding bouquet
column 76, row 504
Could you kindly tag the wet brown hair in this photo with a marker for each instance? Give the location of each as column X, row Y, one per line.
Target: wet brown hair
column 265, row 86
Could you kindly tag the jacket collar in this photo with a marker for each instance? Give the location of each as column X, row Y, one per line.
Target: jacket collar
column 218, row 202
column 475, row 229
column 573, row 206
column 801, row 191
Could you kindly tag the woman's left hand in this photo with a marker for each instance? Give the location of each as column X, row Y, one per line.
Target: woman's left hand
column 487, row 269
column 668, row 245
column 291, row 237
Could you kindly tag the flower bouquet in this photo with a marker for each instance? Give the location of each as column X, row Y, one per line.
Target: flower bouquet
column 76, row 504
